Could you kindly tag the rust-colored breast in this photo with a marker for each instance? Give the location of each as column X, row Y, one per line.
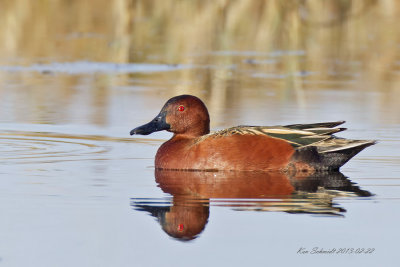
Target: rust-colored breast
column 233, row 152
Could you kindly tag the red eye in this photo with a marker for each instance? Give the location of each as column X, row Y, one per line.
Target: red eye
column 181, row 108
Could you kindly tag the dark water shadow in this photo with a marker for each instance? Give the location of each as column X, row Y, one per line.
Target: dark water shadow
column 185, row 215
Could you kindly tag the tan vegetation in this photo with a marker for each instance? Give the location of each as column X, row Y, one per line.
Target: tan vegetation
column 339, row 41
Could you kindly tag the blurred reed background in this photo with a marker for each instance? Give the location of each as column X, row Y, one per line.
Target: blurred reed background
column 290, row 46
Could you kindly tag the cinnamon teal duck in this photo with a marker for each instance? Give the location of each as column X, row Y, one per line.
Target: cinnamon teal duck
column 295, row 147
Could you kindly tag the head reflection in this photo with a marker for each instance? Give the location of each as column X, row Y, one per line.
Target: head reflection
column 186, row 216
column 185, row 219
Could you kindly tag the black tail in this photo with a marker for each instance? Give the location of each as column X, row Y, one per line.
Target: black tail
column 336, row 158
column 331, row 155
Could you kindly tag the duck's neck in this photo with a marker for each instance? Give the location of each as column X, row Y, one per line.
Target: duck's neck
column 179, row 136
column 194, row 131
column 198, row 131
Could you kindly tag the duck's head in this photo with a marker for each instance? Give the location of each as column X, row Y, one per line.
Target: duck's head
column 183, row 115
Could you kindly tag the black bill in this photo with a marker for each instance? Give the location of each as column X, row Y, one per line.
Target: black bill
column 157, row 124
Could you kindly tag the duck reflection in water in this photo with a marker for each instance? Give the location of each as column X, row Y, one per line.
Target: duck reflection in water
column 193, row 192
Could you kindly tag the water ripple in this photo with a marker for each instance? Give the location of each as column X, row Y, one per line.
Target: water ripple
column 40, row 147
column 44, row 147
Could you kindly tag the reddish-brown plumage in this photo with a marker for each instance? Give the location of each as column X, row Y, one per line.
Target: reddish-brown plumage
column 234, row 152
column 193, row 148
column 291, row 148
column 188, row 149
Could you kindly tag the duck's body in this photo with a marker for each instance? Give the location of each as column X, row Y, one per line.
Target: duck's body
column 224, row 152
column 298, row 147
